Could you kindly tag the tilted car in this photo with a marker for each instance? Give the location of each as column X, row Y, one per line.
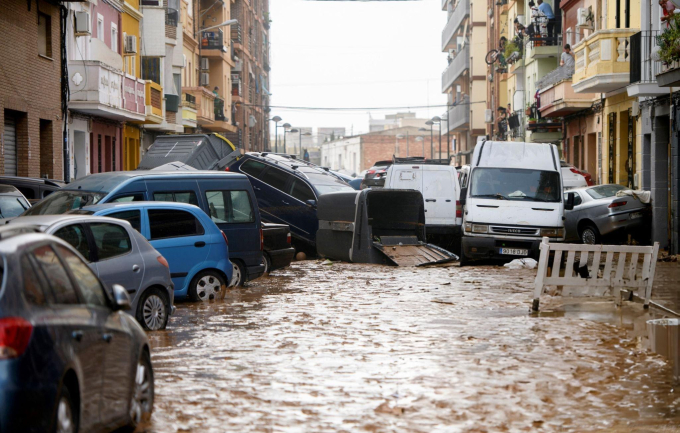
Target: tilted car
column 375, row 176
column 34, row 189
column 70, row 359
column 12, row 202
column 118, row 254
column 598, row 212
column 572, row 177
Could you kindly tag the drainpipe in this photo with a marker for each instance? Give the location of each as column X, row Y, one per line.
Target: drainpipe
column 670, row 167
column 63, row 15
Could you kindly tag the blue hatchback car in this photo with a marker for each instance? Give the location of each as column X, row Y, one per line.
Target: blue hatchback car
column 195, row 248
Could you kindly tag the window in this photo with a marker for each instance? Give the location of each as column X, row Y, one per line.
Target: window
column 63, row 201
column 128, row 198
column 170, row 223
column 151, row 69
column 28, row 192
column 59, row 282
column 134, row 217
column 301, row 191
column 75, row 236
column 100, row 27
column 12, row 206
column 44, row 35
column 275, row 178
column 177, row 81
column 230, row 206
column 114, row 38
column 602, row 191
column 180, row 197
column 33, row 286
column 87, row 281
column 253, row 168
column 111, row 240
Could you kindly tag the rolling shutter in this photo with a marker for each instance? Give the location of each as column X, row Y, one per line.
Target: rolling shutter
column 10, row 145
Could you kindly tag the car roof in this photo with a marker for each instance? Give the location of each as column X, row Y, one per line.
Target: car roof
column 9, row 189
column 106, row 182
column 292, row 164
column 52, row 182
column 49, row 220
column 21, row 236
column 134, row 204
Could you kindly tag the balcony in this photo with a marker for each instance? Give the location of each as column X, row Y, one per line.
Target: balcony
column 97, row 89
column 219, row 109
column 643, row 70
column 558, row 98
column 669, row 76
column 205, row 105
column 459, row 116
column 189, row 111
column 543, row 48
column 458, row 65
column 134, row 96
column 154, row 102
column 603, row 61
column 455, row 20
column 188, row 101
column 213, row 41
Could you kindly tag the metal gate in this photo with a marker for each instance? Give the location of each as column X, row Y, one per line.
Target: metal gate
column 10, row 145
column 630, row 163
column 612, row 145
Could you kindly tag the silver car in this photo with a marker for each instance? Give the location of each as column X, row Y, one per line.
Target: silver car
column 118, row 254
column 598, row 212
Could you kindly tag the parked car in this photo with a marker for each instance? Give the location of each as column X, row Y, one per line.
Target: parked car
column 118, row 254
column 375, row 176
column 71, row 358
column 34, row 189
column 287, row 190
column 12, row 202
column 573, row 177
column 227, row 197
column 599, row 213
column 196, row 250
column 278, row 252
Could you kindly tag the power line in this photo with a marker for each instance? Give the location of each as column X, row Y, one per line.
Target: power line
column 406, row 107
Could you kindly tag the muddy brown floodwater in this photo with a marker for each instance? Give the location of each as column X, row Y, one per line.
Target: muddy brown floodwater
column 345, row 347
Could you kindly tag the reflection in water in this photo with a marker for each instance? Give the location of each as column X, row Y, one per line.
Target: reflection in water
column 371, row 348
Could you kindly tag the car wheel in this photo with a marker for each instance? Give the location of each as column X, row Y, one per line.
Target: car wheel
column 238, row 278
column 267, row 261
column 590, row 235
column 67, row 414
column 205, row 286
column 152, row 311
column 141, row 404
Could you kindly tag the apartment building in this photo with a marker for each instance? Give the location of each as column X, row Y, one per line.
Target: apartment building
column 497, row 28
column 31, row 117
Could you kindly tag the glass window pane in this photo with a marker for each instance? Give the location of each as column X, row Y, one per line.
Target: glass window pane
column 163, row 196
column 301, row 191
column 87, row 281
column 134, row 217
column 253, row 168
column 12, row 206
column 128, row 198
column 61, row 285
column 276, row 178
column 111, row 240
column 186, row 197
column 170, row 223
column 33, row 289
column 230, row 206
column 75, row 236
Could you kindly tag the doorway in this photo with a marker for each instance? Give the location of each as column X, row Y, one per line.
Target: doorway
column 79, row 155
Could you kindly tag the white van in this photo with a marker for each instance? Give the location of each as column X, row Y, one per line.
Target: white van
column 512, row 199
column 438, row 183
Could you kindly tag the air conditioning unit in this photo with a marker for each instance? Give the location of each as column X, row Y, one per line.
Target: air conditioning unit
column 83, row 25
column 130, row 44
column 488, row 115
column 582, row 15
column 205, row 79
column 205, row 64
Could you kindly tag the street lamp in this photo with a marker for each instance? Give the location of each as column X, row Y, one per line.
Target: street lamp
column 306, row 134
column 285, row 126
column 420, row 139
column 438, row 120
column 276, row 120
column 430, row 123
column 448, row 139
column 226, row 23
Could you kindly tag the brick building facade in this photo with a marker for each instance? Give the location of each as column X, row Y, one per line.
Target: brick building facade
column 30, row 89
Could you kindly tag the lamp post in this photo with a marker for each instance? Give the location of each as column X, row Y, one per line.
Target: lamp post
column 448, row 139
column 306, row 134
column 438, row 120
column 420, row 139
column 294, row 130
column 285, row 126
column 430, row 123
column 276, row 120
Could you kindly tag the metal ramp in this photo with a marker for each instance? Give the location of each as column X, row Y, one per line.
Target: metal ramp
column 409, row 251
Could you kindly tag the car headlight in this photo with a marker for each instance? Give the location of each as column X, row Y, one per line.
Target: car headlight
column 480, row 228
column 552, row 233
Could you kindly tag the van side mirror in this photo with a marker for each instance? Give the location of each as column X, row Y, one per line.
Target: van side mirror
column 463, row 196
column 312, row 203
column 569, row 205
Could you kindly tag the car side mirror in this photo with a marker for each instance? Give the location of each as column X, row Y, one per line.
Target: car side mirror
column 463, row 196
column 312, row 203
column 121, row 299
column 569, row 205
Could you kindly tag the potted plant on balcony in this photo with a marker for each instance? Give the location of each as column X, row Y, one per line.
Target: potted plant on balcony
column 669, row 41
column 528, row 110
column 512, row 53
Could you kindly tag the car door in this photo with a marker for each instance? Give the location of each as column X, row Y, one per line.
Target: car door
column 272, row 198
column 117, row 258
column 119, row 356
column 79, row 329
column 179, row 236
column 439, row 195
column 571, row 217
column 299, row 214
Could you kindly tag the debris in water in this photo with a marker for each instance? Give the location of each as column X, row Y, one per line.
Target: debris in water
column 521, row 264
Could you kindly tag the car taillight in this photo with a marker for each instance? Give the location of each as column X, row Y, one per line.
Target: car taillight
column 261, row 240
column 163, row 262
column 459, row 209
column 575, row 170
column 288, row 239
column 370, row 172
column 15, row 333
column 224, row 235
column 617, row 204
column 589, row 180
column 226, row 169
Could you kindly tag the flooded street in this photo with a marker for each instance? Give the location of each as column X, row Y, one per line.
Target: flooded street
column 344, row 347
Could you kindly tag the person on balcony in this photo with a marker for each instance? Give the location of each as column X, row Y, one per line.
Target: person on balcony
column 567, row 58
column 669, row 10
column 539, row 25
column 550, row 15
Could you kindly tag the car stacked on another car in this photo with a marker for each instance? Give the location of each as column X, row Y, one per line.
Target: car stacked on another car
column 12, row 202
column 375, row 176
column 34, row 189
column 573, row 177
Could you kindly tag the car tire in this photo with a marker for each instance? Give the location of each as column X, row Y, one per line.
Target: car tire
column 589, row 235
column 66, row 420
column 462, row 260
column 239, row 276
column 206, row 285
column 152, row 310
column 267, row 263
column 141, row 402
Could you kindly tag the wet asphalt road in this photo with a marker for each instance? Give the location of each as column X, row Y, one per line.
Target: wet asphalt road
column 343, row 347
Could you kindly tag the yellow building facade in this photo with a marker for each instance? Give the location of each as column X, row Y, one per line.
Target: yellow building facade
column 132, row 67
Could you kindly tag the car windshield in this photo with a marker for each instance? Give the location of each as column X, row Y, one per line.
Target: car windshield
column 604, row 191
column 61, row 202
column 325, row 183
column 516, row 184
column 12, row 206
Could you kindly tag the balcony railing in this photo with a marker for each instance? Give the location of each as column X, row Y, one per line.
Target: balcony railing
column 236, row 34
column 642, row 68
column 188, row 101
column 458, row 65
column 154, row 99
column 670, row 75
column 212, row 40
column 459, row 115
column 205, row 106
column 603, row 61
column 219, row 110
column 455, row 20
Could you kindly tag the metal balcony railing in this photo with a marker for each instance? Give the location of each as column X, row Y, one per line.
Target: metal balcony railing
column 642, row 68
column 213, row 40
column 459, row 114
column 219, row 109
column 458, row 65
column 461, row 12
column 188, row 100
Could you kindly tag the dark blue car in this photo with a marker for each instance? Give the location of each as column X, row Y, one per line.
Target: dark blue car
column 287, row 190
column 227, row 198
column 70, row 359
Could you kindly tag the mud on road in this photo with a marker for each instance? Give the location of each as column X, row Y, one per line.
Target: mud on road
column 346, row 347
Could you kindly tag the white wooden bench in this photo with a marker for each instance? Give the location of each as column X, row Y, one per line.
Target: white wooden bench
column 618, row 273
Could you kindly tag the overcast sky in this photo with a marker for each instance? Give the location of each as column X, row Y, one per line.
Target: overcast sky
column 355, row 54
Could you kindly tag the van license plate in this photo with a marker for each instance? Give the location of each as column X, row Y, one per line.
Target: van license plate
column 635, row 215
column 514, row 252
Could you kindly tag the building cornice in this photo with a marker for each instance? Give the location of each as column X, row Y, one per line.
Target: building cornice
column 130, row 10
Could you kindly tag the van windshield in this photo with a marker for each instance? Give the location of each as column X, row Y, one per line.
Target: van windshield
column 60, row 202
column 515, row 184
